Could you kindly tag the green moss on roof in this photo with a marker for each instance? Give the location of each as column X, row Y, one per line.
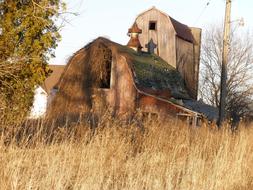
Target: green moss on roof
column 151, row 71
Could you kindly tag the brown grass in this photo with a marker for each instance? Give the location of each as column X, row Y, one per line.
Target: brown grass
column 117, row 156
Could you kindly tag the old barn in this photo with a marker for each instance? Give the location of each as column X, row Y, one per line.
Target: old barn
column 176, row 43
column 156, row 73
column 106, row 75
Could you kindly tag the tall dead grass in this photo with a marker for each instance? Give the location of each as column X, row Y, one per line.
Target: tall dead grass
column 113, row 156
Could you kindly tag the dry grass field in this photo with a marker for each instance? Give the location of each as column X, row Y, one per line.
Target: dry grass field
column 153, row 156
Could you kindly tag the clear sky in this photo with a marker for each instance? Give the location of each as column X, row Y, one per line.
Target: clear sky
column 112, row 18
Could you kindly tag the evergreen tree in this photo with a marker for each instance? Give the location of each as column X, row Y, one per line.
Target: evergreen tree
column 28, row 37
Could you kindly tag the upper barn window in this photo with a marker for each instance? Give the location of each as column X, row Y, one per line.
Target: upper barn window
column 101, row 63
column 105, row 58
column 152, row 25
column 106, row 79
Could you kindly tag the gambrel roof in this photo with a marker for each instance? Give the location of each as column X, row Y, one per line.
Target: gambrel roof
column 182, row 30
column 152, row 77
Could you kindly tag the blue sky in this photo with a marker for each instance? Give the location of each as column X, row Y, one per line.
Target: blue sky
column 112, row 18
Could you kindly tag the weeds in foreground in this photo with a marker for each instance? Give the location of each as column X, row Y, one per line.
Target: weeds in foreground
column 126, row 156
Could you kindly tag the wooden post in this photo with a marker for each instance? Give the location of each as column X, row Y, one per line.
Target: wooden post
column 226, row 37
column 195, row 120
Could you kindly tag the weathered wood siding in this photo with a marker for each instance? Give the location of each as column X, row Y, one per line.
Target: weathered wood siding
column 186, row 64
column 196, row 32
column 154, row 105
column 188, row 58
column 163, row 37
column 123, row 87
column 163, row 108
column 179, row 53
column 121, row 96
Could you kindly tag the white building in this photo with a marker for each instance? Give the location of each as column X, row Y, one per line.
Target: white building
column 43, row 92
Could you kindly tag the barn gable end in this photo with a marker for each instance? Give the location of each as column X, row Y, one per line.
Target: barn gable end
column 160, row 41
column 175, row 42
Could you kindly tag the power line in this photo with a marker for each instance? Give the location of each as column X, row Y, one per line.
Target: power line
column 202, row 12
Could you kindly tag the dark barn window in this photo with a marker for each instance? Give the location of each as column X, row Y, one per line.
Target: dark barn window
column 105, row 82
column 100, row 66
column 107, row 64
column 152, row 25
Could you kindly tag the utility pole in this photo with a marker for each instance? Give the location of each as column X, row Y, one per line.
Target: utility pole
column 223, row 87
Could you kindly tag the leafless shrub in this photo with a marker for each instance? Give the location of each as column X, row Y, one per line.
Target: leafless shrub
column 240, row 71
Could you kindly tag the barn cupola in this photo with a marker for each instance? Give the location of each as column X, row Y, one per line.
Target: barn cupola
column 134, row 41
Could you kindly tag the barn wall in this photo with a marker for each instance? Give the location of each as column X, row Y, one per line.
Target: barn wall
column 124, row 89
column 196, row 32
column 186, row 64
column 179, row 53
column 121, row 96
column 74, row 95
column 163, row 109
column 163, row 37
column 39, row 103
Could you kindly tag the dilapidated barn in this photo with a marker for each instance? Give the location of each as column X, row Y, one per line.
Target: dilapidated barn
column 176, row 43
column 105, row 74
column 162, row 80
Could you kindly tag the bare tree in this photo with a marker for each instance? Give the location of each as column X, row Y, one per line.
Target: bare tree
column 240, row 71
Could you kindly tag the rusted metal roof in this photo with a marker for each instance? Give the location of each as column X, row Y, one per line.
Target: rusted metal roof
column 52, row 80
column 210, row 112
column 182, row 30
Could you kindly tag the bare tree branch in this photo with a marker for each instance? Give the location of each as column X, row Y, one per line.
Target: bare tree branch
column 240, row 71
